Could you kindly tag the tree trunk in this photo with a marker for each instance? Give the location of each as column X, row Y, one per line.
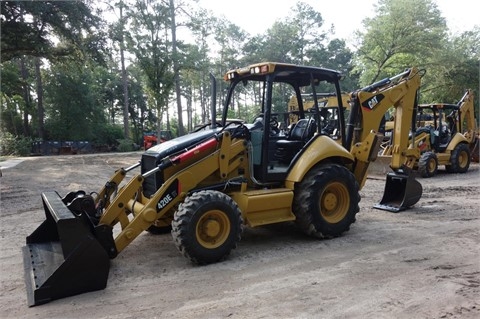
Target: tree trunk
column 126, row 130
column 189, row 109
column 168, row 121
column 26, row 96
column 175, row 69
column 159, row 123
column 40, row 108
column 203, row 98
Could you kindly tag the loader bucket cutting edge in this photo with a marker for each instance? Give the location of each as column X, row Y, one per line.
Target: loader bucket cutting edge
column 62, row 257
column 401, row 192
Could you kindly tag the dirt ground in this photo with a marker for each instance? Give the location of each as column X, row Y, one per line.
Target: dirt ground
column 420, row 263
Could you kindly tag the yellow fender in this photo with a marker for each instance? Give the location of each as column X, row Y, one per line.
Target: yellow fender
column 457, row 139
column 321, row 148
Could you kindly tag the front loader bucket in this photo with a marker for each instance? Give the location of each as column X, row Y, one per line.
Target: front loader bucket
column 62, row 256
column 401, row 192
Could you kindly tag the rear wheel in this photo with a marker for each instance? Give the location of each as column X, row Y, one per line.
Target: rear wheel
column 207, row 226
column 326, row 201
column 428, row 164
column 459, row 159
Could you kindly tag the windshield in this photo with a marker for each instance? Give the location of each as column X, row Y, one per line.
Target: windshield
column 281, row 102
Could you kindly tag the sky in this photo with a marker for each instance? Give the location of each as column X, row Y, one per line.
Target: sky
column 255, row 16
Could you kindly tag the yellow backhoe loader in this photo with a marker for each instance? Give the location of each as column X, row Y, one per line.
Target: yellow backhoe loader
column 447, row 135
column 205, row 187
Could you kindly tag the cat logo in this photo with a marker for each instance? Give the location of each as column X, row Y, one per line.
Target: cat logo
column 373, row 101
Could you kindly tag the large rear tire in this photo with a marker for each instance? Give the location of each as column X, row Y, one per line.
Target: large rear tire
column 428, row 164
column 207, row 226
column 459, row 159
column 326, row 201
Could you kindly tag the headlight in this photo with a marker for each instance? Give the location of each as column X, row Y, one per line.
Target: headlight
column 259, row 69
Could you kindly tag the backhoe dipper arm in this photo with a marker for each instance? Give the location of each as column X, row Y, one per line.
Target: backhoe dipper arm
column 467, row 116
column 375, row 100
column 369, row 107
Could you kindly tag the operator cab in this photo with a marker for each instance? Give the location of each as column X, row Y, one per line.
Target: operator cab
column 439, row 120
column 281, row 124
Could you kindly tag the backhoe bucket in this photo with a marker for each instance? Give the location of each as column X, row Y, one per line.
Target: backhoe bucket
column 62, row 256
column 401, row 192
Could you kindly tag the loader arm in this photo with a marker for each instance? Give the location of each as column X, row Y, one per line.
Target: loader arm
column 102, row 200
column 69, row 252
column 145, row 211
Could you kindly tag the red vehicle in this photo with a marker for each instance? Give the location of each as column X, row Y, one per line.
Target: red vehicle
column 150, row 139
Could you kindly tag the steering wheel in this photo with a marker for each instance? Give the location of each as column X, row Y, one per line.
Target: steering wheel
column 274, row 127
column 240, row 131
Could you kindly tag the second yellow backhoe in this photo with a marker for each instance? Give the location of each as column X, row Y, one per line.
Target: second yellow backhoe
column 446, row 134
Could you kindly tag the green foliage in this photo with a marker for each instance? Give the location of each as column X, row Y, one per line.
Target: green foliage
column 107, row 134
column 66, row 20
column 11, row 83
column 14, row 145
column 70, row 118
column 404, row 33
column 126, row 145
column 454, row 69
column 336, row 56
column 150, row 21
column 84, row 99
column 11, row 120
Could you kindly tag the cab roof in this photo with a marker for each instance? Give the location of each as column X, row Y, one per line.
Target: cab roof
column 439, row 106
column 290, row 73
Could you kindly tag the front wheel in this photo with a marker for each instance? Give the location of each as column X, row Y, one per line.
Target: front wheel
column 326, row 201
column 207, row 226
column 428, row 164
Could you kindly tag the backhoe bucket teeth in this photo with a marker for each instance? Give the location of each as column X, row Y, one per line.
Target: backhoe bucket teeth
column 62, row 257
column 401, row 192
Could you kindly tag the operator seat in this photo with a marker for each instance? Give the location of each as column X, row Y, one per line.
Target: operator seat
column 298, row 136
column 451, row 125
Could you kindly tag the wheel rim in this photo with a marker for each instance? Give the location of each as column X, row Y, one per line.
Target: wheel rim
column 213, row 229
column 432, row 165
column 334, row 202
column 463, row 159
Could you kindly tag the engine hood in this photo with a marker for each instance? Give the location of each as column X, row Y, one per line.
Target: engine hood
column 180, row 143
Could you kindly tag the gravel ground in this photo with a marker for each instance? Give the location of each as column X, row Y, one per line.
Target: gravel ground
column 420, row 263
